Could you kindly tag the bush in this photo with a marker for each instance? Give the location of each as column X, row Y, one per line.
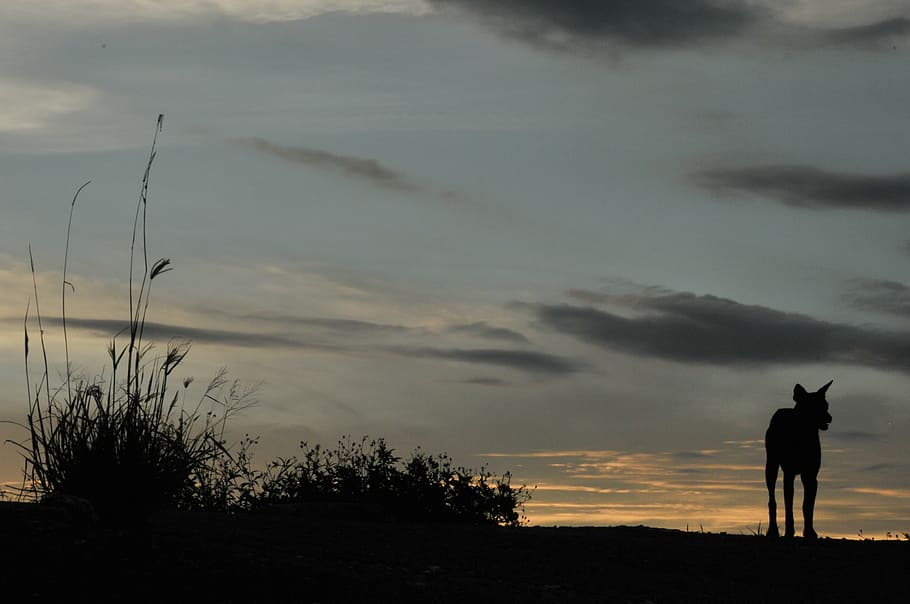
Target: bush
column 423, row 487
column 227, row 483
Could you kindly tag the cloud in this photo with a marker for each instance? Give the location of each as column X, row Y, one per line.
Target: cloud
column 557, row 24
column 343, row 326
column 661, row 24
column 29, row 106
column 687, row 328
column 521, row 360
column 812, row 188
column 483, row 330
column 76, row 13
column 881, row 34
column 363, row 169
column 857, row 436
column 359, row 168
column 484, row 381
column 880, row 295
column 886, row 467
column 480, row 329
column 159, row 331
column 691, row 455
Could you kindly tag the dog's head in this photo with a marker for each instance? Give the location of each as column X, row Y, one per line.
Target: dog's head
column 813, row 405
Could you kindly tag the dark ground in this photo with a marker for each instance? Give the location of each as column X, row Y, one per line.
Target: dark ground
column 312, row 555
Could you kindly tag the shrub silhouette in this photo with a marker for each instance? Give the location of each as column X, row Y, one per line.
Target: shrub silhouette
column 226, row 483
column 423, row 487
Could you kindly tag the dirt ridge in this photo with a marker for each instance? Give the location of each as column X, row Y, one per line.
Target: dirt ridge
column 317, row 555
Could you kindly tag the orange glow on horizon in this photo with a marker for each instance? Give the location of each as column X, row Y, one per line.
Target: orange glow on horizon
column 717, row 490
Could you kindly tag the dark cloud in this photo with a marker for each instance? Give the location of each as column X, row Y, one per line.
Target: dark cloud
column 808, row 187
column 565, row 25
column 586, row 25
column 587, row 296
column 485, row 381
column 522, row 360
column 630, row 293
column 886, row 467
column 690, row 455
column 483, row 330
column 880, row 295
column 710, row 330
column 684, row 470
column 857, row 436
column 346, row 326
column 325, row 324
column 480, row 329
column 162, row 331
column 882, row 34
column 363, row 169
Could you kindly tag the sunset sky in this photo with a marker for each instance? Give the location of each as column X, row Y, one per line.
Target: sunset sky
column 593, row 243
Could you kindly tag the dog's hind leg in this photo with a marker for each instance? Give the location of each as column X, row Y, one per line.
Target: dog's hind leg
column 789, row 530
column 810, row 488
column 771, row 481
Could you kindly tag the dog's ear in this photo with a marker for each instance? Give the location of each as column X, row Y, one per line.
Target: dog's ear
column 824, row 388
column 799, row 393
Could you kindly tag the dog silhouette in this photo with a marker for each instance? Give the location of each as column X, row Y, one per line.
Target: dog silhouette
column 792, row 443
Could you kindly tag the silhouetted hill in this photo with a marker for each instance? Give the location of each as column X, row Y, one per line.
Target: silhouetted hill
column 315, row 554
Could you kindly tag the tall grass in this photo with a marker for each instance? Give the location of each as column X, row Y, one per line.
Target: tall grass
column 129, row 443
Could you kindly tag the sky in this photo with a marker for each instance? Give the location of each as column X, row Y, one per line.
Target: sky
column 593, row 243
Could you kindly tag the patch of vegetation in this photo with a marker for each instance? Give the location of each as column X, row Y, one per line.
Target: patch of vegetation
column 422, row 487
column 130, row 443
